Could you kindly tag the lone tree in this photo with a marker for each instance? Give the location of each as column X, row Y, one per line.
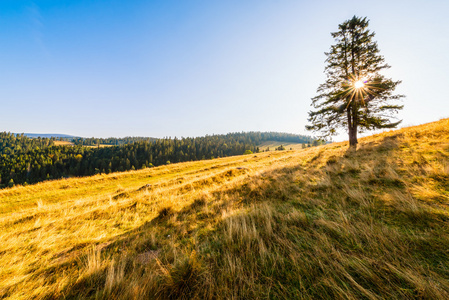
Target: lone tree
column 354, row 96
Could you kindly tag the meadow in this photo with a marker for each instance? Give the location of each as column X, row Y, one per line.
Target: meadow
column 272, row 145
column 325, row 222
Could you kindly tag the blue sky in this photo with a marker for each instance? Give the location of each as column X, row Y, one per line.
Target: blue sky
column 190, row 68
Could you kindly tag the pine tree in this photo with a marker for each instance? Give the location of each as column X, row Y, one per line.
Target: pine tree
column 355, row 95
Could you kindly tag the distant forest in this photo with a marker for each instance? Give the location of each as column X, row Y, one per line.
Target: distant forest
column 27, row 160
column 109, row 141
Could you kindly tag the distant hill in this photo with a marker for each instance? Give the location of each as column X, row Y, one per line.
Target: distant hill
column 273, row 145
column 319, row 223
column 29, row 160
column 48, row 135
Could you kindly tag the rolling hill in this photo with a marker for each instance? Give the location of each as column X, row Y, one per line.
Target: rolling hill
column 29, row 160
column 272, row 145
column 49, row 135
column 324, row 222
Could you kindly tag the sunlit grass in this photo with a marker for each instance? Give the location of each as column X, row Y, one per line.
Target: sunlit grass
column 321, row 222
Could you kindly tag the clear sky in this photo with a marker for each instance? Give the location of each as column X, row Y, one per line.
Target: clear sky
column 190, row 68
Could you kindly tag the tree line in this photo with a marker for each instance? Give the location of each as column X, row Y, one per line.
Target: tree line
column 109, row 141
column 11, row 143
column 25, row 160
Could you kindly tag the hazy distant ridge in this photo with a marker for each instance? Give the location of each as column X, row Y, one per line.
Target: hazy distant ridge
column 48, row 135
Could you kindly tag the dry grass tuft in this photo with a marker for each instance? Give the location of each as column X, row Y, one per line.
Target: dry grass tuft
column 181, row 281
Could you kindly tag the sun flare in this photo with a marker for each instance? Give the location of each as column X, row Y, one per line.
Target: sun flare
column 359, row 84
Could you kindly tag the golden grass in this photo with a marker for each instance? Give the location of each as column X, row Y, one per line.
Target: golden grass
column 62, row 143
column 323, row 222
column 272, row 145
column 67, row 143
column 99, row 146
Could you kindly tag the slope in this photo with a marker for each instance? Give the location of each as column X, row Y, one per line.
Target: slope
column 322, row 222
column 272, row 145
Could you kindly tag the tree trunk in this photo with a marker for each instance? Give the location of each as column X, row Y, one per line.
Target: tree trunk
column 353, row 136
column 352, row 126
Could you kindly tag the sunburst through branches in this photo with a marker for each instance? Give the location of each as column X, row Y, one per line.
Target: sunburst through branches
column 360, row 89
column 359, row 84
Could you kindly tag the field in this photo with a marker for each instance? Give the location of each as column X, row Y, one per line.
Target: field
column 99, row 146
column 63, row 143
column 67, row 143
column 320, row 223
column 272, row 145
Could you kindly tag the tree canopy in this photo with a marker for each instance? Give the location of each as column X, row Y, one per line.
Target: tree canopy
column 355, row 95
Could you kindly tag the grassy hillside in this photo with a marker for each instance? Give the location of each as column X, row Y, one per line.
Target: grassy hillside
column 272, row 145
column 63, row 143
column 323, row 222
